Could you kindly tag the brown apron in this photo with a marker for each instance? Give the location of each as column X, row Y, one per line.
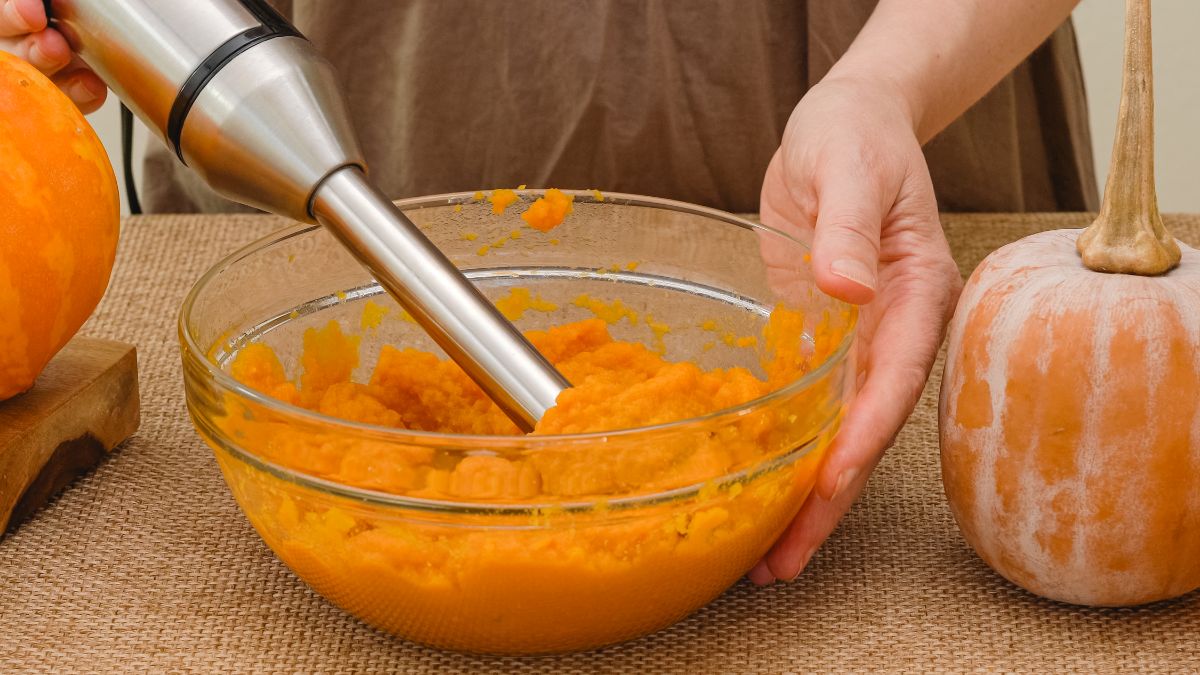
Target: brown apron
column 684, row 99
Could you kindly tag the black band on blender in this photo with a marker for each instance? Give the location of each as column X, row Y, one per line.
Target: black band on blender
column 268, row 16
column 212, row 65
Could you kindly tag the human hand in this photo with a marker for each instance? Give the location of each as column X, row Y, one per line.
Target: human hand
column 850, row 178
column 24, row 33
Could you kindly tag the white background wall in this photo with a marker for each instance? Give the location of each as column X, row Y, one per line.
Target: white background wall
column 1100, row 25
column 1101, row 29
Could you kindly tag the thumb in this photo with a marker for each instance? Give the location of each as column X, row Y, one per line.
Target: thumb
column 20, row 17
column 845, row 253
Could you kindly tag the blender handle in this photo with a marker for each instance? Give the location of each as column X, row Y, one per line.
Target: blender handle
column 232, row 88
column 271, row 24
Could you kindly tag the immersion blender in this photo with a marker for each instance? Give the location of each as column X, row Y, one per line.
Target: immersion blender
column 247, row 103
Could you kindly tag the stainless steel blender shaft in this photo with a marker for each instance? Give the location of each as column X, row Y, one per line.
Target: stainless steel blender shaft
column 438, row 296
column 246, row 102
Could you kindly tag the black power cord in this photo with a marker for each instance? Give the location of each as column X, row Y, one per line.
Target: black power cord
column 135, row 206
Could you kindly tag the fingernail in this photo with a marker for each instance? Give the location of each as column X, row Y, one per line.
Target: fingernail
column 803, row 565
column 37, row 57
column 844, row 480
column 15, row 19
column 761, row 575
column 80, row 93
column 854, row 270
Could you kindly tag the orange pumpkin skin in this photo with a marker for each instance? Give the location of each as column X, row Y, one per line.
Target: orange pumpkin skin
column 1070, row 424
column 59, row 218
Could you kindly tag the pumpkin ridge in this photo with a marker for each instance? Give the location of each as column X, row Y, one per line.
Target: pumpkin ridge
column 1023, row 293
column 1180, row 369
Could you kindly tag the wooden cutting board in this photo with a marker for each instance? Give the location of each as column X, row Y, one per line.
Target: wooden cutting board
column 84, row 404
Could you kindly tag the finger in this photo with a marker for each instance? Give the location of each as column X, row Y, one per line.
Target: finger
column 84, row 87
column 778, row 206
column 18, row 17
column 918, row 305
column 761, row 574
column 818, row 518
column 845, row 252
column 46, row 50
column 786, row 264
column 918, row 300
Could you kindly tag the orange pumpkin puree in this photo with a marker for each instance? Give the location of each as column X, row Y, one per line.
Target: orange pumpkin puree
column 547, row 213
column 501, row 199
column 543, row 578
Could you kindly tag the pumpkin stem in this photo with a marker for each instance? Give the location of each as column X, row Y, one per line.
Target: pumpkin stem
column 1128, row 237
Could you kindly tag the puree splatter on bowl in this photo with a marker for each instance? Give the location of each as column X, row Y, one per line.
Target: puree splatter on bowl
column 709, row 377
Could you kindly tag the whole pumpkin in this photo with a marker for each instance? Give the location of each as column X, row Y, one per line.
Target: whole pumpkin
column 1070, row 403
column 1070, row 424
column 59, row 219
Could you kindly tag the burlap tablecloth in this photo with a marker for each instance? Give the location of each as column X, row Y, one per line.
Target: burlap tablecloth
column 147, row 563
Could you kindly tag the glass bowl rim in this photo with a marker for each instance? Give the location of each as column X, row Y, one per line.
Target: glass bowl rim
column 438, row 439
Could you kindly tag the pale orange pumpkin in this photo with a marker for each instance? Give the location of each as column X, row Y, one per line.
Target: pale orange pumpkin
column 1070, row 403
column 59, row 218
column 1070, row 424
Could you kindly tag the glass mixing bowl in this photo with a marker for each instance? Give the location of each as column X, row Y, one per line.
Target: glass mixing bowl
column 592, row 556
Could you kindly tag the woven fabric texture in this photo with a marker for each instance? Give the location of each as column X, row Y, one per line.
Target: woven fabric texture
column 146, row 564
